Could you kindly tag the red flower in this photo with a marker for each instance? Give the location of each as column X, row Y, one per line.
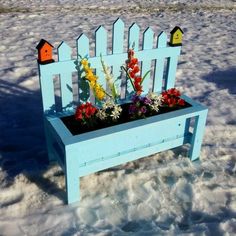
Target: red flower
column 138, row 79
column 136, row 69
column 174, row 92
column 85, row 111
column 181, row 102
column 133, row 70
column 132, row 74
column 130, row 53
column 171, row 98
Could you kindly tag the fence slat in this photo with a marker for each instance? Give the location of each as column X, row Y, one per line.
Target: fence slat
column 133, row 42
column 82, row 44
column 134, row 37
column 48, row 97
column 118, row 47
column 118, row 36
column 160, row 63
column 146, row 64
column 64, row 54
column 100, row 49
column 171, row 71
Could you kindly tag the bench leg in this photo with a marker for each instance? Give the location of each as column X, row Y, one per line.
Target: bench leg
column 72, row 180
column 198, row 131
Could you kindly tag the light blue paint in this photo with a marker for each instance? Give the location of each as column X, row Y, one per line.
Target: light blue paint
column 148, row 37
column 100, row 49
column 159, row 63
column 121, row 143
column 117, row 48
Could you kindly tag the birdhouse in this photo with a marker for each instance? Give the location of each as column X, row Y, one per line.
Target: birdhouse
column 176, row 37
column 44, row 52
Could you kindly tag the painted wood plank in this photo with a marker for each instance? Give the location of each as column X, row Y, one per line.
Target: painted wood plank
column 118, row 36
column 123, row 158
column 198, row 132
column 133, row 37
column 64, row 54
column 117, row 48
column 133, row 42
column 72, row 177
column 100, row 49
column 135, row 137
column 148, row 37
column 159, row 63
column 171, row 72
column 47, row 91
column 82, row 44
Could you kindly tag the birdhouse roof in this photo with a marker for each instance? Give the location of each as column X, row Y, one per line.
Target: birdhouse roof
column 175, row 29
column 42, row 42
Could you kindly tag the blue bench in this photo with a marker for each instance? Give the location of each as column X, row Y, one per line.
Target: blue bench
column 80, row 155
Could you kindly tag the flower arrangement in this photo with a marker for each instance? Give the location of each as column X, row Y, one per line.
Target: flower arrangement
column 109, row 111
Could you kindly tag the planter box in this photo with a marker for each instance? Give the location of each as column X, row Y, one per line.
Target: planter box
column 82, row 154
column 86, row 153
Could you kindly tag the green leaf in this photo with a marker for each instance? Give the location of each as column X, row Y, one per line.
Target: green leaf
column 145, row 76
column 128, row 77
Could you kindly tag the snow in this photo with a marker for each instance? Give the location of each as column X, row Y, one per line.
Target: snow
column 164, row 194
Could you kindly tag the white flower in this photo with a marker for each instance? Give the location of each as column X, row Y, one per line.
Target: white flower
column 108, row 104
column 155, row 106
column 101, row 114
column 115, row 114
column 156, row 100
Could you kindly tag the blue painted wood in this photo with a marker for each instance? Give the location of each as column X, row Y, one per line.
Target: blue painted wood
column 148, row 37
column 132, row 138
column 133, row 38
column 159, row 63
column 128, row 141
column 171, row 71
column 118, row 36
column 82, row 44
column 117, row 48
column 64, row 54
column 198, row 132
column 100, row 49
column 72, row 177
column 131, row 156
column 47, row 91
column 133, row 42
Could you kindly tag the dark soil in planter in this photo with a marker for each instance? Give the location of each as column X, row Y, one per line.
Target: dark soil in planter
column 75, row 127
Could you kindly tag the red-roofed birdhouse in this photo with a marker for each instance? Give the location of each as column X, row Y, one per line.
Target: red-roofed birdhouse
column 44, row 52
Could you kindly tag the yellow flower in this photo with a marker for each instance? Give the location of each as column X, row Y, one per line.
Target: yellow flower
column 86, row 68
column 100, row 94
column 92, row 84
column 84, row 62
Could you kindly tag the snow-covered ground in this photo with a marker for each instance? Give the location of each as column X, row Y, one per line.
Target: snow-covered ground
column 164, row 194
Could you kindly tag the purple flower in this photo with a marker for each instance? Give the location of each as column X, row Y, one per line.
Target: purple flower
column 136, row 99
column 146, row 101
column 132, row 109
column 143, row 109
